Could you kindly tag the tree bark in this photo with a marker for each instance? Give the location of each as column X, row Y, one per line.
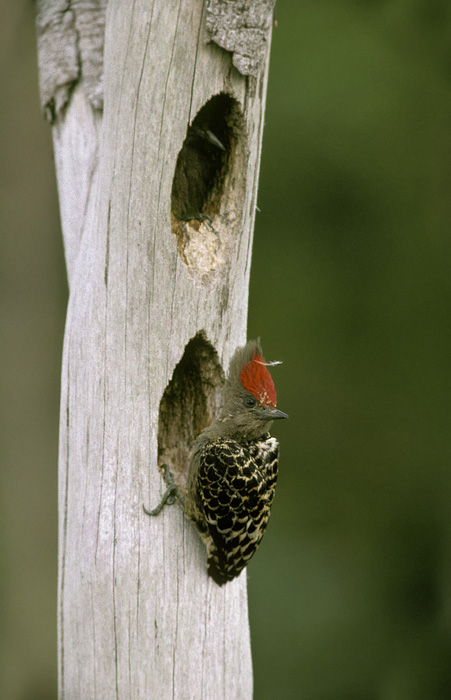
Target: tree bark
column 157, row 306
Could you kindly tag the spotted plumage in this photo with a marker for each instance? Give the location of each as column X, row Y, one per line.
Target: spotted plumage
column 235, row 491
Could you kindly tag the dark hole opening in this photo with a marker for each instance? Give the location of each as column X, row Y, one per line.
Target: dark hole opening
column 190, row 402
column 203, row 161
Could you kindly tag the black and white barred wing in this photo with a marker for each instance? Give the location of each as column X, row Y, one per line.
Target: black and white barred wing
column 236, row 486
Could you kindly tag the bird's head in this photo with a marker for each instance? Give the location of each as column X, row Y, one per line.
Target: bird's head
column 249, row 395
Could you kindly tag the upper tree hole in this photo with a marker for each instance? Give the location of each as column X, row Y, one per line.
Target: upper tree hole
column 203, row 161
column 189, row 403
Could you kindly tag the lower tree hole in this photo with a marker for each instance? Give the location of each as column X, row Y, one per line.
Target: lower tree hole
column 189, row 404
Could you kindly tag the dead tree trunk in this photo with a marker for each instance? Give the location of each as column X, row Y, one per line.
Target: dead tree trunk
column 157, row 306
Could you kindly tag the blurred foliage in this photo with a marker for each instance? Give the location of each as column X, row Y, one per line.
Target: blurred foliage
column 32, row 307
column 350, row 594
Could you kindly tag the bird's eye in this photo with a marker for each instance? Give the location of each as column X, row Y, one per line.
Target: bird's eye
column 249, row 401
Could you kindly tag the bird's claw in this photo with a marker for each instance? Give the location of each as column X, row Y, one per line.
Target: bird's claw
column 170, row 496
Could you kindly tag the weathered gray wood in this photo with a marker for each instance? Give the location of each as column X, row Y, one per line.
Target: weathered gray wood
column 70, row 36
column 138, row 616
column 242, row 27
column 76, row 142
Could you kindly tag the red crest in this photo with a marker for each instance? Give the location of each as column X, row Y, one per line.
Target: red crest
column 256, row 379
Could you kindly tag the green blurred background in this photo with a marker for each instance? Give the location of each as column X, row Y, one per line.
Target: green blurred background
column 350, row 594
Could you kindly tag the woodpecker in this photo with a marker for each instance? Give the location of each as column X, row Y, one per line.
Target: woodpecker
column 233, row 468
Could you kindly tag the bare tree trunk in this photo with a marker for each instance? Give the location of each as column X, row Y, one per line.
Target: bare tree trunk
column 157, row 306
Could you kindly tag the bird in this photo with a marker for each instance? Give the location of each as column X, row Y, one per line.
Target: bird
column 233, row 468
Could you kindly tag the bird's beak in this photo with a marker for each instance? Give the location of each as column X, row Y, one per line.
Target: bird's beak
column 270, row 413
column 209, row 135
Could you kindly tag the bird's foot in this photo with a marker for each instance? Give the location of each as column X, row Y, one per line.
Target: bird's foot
column 170, row 495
